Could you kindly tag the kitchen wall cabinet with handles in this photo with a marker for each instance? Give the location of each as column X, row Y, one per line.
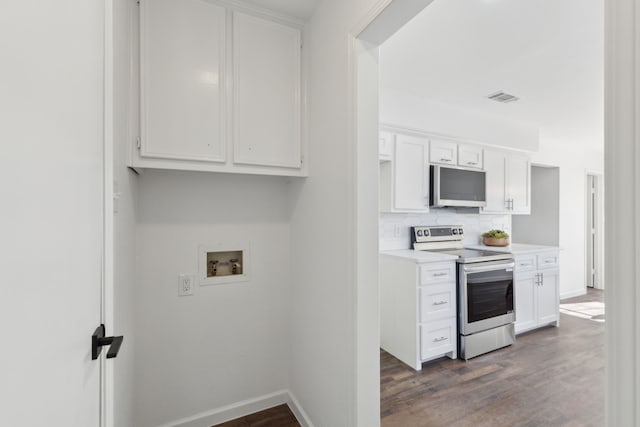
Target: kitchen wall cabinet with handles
column 404, row 181
column 537, row 290
column 454, row 154
column 220, row 89
column 417, row 307
column 508, row 182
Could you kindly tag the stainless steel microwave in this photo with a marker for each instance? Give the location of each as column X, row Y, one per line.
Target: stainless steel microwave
column 457, row 187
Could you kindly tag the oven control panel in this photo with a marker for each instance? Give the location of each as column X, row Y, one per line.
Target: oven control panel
column 425, row 234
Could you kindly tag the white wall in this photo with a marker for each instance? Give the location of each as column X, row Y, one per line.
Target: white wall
column 226, row 343
column 395, row 233
column 412, row 112
column 125, row 183
column 542, row 227
column 573, row 164
column 323, row 360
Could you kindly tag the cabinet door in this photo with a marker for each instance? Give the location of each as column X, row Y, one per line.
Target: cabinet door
column 385, row 146
column 444, row 152
column 182, row 80
column 525, row 294
column 495, row 164
column 470, row 156
column 266, row 92
column 548, row 297
column 411, row 174
column 519, row 183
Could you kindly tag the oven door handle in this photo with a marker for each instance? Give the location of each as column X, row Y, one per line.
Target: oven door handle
column 488, row 266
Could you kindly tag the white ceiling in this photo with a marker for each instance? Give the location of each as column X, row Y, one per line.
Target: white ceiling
column 301, row 9
column 547, row 52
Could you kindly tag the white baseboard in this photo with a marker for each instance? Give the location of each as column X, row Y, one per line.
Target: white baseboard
column 233, row 411
column 243, row 408
column 299, row 413
column 572, row 294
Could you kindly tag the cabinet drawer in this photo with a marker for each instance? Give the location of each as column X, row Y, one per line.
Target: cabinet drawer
column 439, row 272
column 525, row 263
column 437, row 302
column 548, row 260
column 437, row 338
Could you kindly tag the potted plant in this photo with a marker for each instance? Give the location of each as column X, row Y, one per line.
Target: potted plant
column 495, row 238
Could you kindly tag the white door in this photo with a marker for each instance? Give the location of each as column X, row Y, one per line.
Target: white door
column 525, row 299
column 51, row 227
column 548, row 297
column 411, row 174
column 495, row 166
column 266, row 92
column 519, row 184
column 183, row 80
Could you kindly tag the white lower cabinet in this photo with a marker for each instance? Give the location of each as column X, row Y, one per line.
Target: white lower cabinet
column 537, row 291
column 417, row 309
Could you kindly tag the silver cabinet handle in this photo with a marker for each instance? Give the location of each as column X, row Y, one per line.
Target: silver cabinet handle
column 440, row 274
column 439, row 339
column 439, row 303
column 445, row 160
column 549, row 261
column 472, row 163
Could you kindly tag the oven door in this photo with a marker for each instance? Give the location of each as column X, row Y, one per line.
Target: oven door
column 486, row 296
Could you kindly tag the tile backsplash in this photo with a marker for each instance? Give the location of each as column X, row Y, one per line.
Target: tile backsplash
column 394, row 227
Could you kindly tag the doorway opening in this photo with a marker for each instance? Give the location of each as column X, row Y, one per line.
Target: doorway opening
column 427, row 121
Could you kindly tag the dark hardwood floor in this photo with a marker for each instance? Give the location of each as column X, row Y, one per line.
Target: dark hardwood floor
column 279, row 416
column 549, row 377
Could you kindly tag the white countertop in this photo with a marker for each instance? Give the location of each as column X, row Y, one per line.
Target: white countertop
column 419, row 256
column 515, row 248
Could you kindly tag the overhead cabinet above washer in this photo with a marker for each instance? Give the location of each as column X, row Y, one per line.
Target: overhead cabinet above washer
column 220, row 90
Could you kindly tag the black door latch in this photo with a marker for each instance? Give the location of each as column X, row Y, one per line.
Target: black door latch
column 98, row 340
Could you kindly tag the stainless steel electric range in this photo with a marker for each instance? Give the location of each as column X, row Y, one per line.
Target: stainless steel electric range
column 485, row 289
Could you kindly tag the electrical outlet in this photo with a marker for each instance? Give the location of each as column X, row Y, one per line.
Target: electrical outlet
column 397, row 228
column 185, row 284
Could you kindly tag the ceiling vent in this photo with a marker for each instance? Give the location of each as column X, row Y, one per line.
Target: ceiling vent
column 503, row 97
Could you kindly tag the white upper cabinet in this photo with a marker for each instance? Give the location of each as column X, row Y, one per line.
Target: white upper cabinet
column 266, row 76
column 508, row 182
column 519, row 183
column 182, row 76
column 404, row 182
column 221, row 90
column 470, row 156
column 454, row 154
column 495, row 164
column 443, row 152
